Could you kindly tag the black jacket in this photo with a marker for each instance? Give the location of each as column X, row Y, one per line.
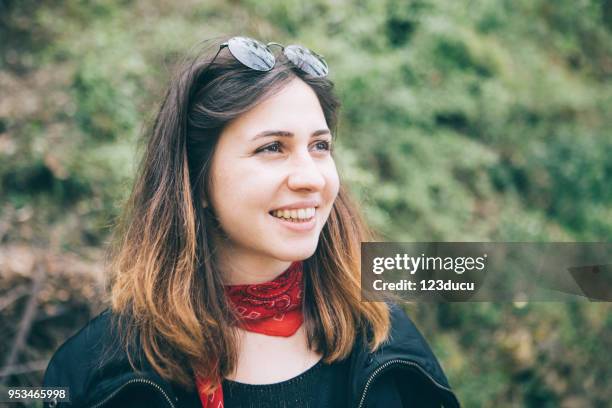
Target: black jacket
column 403, row 372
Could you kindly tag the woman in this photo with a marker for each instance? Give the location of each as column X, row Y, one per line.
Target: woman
column 236, row 266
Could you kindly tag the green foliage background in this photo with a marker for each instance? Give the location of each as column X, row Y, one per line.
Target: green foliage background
column 461, row 120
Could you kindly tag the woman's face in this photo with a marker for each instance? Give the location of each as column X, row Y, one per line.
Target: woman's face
column 274, row 180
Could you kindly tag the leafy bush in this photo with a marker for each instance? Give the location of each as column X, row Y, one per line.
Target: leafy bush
column 463, row 120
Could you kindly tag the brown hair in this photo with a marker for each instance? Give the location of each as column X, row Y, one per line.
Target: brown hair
column 167, row 293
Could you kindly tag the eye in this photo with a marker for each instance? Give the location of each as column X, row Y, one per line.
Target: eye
column 274, row 147
column 323, row 145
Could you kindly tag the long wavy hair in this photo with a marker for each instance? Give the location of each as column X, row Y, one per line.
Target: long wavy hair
column 167, row 294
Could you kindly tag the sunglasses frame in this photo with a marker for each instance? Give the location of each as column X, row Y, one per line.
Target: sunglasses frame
column 293, row 53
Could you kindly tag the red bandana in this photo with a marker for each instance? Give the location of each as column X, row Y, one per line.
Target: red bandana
column 272, row 308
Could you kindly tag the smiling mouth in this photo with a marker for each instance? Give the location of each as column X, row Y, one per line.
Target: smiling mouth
column 295, row 215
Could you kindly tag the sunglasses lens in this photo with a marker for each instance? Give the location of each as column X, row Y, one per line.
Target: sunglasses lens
column 306, row 60
column 251, row 53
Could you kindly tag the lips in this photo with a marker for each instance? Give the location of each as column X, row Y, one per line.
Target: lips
column 296, row 224
column 298, row 204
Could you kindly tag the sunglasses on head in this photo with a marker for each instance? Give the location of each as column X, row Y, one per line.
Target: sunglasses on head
column 258, row 56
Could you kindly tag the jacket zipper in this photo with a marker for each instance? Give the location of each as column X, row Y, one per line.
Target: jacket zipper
column 132, row 381
column 390, row 363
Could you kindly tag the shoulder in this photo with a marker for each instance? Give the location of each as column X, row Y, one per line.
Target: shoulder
column 406, row 342
column 404, row 333
column 78, row 361
column 94, row 365
column 88, row 342
column 403, row 367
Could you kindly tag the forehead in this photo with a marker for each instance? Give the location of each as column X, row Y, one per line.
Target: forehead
column 295, row 108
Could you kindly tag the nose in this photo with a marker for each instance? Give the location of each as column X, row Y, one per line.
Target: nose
column 305, row 174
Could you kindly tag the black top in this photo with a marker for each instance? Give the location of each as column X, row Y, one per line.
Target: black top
column 322, row 385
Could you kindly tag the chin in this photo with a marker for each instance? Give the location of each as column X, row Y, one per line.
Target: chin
column 291, row 254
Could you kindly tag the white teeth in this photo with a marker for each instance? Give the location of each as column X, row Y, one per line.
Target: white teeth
column 299, row 214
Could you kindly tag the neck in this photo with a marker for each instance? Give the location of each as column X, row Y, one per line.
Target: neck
column 246, row 269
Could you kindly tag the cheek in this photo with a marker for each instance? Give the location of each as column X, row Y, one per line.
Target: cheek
column 332, row 182
column 243, row 190
column 228, row 201
column 225, row 193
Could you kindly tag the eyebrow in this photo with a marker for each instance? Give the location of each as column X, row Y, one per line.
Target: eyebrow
column 284, row 133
